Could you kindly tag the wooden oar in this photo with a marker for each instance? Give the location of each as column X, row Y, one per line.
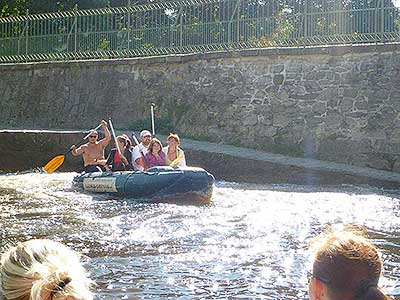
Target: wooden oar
column 57, row 161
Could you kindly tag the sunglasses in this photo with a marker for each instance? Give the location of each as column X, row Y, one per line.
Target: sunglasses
column 93, row 136
column 310, row 275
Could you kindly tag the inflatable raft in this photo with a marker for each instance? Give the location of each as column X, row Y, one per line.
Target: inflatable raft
column 158, row 184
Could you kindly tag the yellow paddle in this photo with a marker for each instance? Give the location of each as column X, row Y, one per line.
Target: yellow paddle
column 57, row 161
column 54, row 164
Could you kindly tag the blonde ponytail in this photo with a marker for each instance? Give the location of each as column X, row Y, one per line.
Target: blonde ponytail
column 43, row 270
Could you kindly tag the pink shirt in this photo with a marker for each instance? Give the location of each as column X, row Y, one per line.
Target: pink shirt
column 154, row 161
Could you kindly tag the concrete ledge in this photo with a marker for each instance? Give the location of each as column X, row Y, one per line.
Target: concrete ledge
column 248, row 165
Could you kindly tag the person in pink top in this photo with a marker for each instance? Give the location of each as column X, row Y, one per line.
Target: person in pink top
column 155, row 156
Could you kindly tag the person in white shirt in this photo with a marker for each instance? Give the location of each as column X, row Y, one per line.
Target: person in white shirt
column 139, row 151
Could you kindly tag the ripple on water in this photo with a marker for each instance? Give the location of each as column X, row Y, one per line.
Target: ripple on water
column 250, row 243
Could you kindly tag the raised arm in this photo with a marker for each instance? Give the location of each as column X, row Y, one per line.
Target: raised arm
column 77, row 151
column 106, row 140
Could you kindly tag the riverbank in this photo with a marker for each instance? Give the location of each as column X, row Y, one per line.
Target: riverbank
column 28, row 149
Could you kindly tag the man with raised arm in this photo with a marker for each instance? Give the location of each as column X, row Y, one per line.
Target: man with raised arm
column 93, row 151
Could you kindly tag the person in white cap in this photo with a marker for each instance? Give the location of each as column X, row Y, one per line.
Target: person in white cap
column 139, row 151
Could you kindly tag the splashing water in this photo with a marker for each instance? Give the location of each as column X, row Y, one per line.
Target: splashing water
column 251, row 243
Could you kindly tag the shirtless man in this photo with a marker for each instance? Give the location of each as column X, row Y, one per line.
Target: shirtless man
column 93, row 151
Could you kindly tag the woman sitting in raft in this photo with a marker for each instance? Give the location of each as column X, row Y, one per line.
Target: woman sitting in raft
column 175, row 157
column 155, row 156
column 346, row 266
column 121, row 162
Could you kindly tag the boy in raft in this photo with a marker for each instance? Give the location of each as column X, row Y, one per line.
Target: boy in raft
column 93, row 151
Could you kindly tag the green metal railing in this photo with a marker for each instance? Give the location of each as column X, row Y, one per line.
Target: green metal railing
column 192, row 26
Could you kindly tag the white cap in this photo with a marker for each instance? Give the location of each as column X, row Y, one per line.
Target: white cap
column 144, row 133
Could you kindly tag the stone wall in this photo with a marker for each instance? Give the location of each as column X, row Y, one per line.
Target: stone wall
column 333, row 103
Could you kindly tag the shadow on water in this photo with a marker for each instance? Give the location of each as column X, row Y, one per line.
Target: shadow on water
column 249, row 243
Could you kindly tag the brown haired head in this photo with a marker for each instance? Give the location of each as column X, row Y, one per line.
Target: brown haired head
column 122, row 139
column 152, row 143
column 349, row 265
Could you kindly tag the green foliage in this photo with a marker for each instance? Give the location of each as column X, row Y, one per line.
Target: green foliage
column 104, row 44
column 19, row 7
column 13, row 8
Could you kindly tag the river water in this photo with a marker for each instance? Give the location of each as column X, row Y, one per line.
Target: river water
column 251, row 243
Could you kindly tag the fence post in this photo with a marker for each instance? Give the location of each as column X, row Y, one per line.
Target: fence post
column 181, row 23
column 382, row 21
column 238, row 23
column 129, row 23
column 305, row 23
column 76, row 27
column 26, row 33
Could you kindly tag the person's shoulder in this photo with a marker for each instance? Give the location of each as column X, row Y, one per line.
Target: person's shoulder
column 84, row 146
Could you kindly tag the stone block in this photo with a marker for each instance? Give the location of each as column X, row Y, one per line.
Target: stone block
column 278, row 79
column 278, row 68
column 269, row 131
column 250, row 119
column 396, row 165
column 319, row 108
column 294, row 76
column 294, row 68
column 350, row 92
column 281, row 120
column 372, row 161
column 346, row 105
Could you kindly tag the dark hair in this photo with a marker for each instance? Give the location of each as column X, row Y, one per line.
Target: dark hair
column 151, row 145
column 128, row 143
column 349, row 264
column 122, row 138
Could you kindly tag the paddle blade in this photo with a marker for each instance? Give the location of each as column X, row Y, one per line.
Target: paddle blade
column 54, row 164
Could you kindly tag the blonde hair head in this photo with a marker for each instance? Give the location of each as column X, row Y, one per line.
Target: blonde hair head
column 43, row 270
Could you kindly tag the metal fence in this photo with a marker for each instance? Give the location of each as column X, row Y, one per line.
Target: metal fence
column 193, row 26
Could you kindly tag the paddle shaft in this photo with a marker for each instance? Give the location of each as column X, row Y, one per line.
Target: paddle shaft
column 153, row 129
column 91, row 131
column 135, row 139
column 114, row 136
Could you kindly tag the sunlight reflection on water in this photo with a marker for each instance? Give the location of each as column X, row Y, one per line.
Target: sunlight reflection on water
column 250, row 243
